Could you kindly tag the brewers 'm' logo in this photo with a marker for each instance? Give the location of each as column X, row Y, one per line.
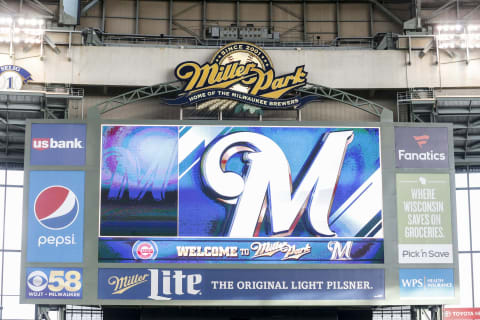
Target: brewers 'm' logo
column 239, row 72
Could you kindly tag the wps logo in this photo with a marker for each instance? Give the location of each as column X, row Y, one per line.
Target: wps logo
column 413, row 283
column 144, row 250
column 41, row 144
column 421, row 140
column 56, row 207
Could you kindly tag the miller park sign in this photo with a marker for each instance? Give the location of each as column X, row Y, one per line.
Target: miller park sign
column 239, row 72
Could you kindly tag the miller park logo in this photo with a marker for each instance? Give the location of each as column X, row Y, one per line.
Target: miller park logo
column 239, row 72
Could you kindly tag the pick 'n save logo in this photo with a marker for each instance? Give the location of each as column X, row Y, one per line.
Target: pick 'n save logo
column 239, row 73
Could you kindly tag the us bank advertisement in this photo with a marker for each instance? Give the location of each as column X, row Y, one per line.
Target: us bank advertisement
column 424, row 218
column 230, row 194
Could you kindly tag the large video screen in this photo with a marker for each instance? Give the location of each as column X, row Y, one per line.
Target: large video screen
column 238, row 214
column 231, row 194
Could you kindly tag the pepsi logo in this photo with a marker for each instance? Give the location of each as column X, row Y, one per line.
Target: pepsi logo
column 144, row 250
column 37, row 281
column 56, row 207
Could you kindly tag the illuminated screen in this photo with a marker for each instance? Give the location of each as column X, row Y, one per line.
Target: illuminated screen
column 238, row 194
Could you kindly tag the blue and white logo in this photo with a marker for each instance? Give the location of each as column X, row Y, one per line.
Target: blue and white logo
column 427, row 283
column 56, row 207
column 58, row 144
column 37, row 280
column 55, row 216
column 54, row 283
column 13, row 77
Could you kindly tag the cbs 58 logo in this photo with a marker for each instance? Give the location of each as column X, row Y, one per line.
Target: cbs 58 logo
column 56, row 281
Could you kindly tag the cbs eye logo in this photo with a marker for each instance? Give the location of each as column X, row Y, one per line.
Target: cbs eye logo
column 56, row 281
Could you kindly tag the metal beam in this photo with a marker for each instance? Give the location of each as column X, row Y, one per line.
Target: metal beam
column 4, row 5
column 468, row 15
column 355, row 101
column 371, row 19
column 186, row 9
column 204, row 19
column 291, row 29
column 168, row 88
column 337, row 17
column 290, row 12
column 187, row 30
column 440, row 10
column 170, row 17
column 40, row 6
column 304, row 16
column 137, row 10
column 134, row 96
column 387, row 11
column 270, row 15
column 88, row 6
column 103, row 15
column 51, row 44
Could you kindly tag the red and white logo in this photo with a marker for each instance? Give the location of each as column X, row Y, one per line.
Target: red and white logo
column 56, row 207
column 421, row 140
column 144, row 250
column 41, row 144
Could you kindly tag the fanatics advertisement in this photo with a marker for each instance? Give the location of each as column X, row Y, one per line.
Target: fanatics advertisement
column 426, row 283
column 54, row 283
column 424, row 218
column 55, row 216
column 226, row 194
column 417, row 147
column 241, row 284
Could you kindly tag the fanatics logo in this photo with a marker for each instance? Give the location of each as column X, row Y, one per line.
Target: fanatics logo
column 421, row 140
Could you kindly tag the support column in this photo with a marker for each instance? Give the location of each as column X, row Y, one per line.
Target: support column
column 338, row 18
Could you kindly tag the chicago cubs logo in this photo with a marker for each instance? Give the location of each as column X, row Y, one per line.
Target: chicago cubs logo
column 56, row 207
column 144, row 250
column 37, row 281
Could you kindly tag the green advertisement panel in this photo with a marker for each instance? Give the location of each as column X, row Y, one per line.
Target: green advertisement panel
column 424, row 218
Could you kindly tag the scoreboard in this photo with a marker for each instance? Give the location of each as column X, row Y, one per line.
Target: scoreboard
column 238, row 213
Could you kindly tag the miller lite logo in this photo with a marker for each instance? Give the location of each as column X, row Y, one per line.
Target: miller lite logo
column 144, row 250
column 56, row 207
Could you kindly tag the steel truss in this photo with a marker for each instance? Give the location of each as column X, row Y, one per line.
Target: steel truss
column 168, row 88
